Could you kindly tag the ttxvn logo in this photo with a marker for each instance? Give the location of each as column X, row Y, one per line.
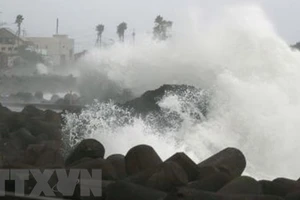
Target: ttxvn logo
column 49, row 182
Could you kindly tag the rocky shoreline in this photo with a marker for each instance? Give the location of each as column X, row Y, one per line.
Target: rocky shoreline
column 32, row 139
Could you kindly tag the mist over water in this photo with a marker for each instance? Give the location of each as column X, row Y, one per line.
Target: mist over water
column 252, row 76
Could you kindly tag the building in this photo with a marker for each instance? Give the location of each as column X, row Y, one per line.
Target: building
column 59, row 49
column 9, row 43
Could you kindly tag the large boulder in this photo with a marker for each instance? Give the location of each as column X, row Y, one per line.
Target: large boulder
column 37, row 127
column 187, row 164
column 108, row 170
column 167, row 177
column 211, row 183
column 192, row 194
column 140, row 158
column 44, row 155
column 122, row 190
column 148, row 101
column 242, row 185
column 118, row 161
column 230, row 160
column 279, row 187
column 90, row 148
column 22, row 138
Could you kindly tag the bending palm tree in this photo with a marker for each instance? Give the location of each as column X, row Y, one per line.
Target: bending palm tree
column 19, row 21
column 121, row 28
column 99, row 29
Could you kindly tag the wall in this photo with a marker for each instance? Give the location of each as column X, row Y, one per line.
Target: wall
column 59, row 48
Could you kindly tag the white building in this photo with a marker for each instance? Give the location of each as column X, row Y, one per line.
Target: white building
column 59, row 49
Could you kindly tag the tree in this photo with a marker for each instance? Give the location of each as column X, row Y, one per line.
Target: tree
column 99, row 29
column 161, row 28
column 19, row 21
column 121, row 28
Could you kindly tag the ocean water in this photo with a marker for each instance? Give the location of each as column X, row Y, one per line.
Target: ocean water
column 249, row 71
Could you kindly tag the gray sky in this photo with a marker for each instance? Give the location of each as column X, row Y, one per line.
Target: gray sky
column 79, row 17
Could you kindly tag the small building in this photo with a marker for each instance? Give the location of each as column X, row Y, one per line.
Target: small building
column 59, row 48
column 9, row 43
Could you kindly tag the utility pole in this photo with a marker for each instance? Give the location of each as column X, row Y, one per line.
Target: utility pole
column 57, row 26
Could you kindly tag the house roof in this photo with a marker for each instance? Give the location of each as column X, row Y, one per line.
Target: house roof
column 7, row 33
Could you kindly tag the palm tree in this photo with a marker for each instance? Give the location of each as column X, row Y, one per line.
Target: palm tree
column 121, row 28
column 99, row 29
column 19, row 21
column 160, row 30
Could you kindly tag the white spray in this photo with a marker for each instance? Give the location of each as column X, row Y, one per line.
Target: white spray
column 253, row 77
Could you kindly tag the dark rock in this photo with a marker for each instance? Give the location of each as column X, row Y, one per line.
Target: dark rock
column 45, row 155
column 22, row 138
column 211, row 183
column 167, row 177
column 242, row 185
column 148, row 101
column 91, row 184
column 36, row 127
column 274, row 188
column 51, row 116
column 288, row 185
column 293, row 196
column 141, row 177
column 31, row 111
column 122, row 190
column 206, row 171
column 229, row 160
column 86, row 148
column 118, row 161
column 108, row 170
column 192, row 194
column 187, row 164
column 140, row 158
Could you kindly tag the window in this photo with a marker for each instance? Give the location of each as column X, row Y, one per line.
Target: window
column 1, row 40
column 10, row 48
column 3, row 48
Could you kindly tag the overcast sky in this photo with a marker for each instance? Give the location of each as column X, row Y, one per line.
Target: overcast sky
column 79, row 17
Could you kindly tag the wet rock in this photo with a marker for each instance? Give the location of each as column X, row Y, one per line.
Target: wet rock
column 36, row 127
column 242, row 185
column 51, row 116
column 86, row 148
column 148, row 101
column 167, row 177
column 141, row 177
column 140, row 158
column 293, row 196
column 88, row 184
column 122, row 190
column 118, row 161
column 45, row 155
column 274, row 188
column 22, row 138
column 108, row 170
column 229, row 160
column 192, row 194
column 187, row 164
column 287, row 185
column 211, row 183
column 32, row 112
column 206, row 171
